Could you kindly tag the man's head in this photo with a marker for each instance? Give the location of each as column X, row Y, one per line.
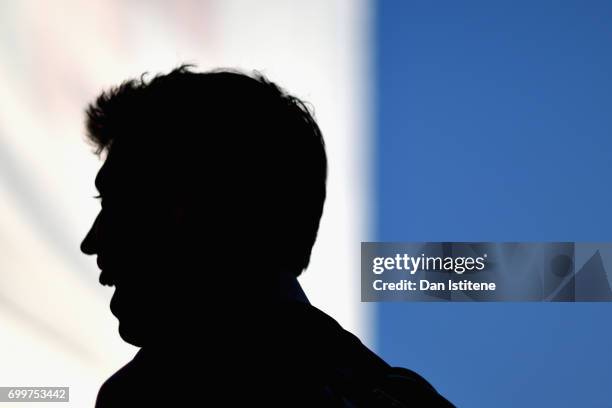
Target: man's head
column 210, row 179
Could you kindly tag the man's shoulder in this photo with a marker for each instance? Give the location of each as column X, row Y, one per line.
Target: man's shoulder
column 355, row 374
column 118, row 386
column 137, row 383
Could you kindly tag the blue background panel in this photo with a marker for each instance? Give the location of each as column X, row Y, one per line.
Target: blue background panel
column 494, row 123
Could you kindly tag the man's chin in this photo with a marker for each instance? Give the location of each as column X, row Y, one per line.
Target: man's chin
column 131, row 335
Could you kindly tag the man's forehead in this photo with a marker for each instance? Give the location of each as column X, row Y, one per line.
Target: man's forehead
column 121, row 160
column 100, row 179
column 118, row 175
column 113, row 174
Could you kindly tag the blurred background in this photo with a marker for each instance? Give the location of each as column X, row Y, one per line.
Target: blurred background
column 464, row 121
column 55, row 57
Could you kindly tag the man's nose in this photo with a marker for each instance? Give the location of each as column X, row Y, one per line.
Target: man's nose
column 89, row 246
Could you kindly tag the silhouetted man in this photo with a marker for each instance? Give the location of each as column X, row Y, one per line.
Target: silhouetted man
column 211, row 191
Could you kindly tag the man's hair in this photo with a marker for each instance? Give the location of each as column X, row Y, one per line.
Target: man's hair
column 234, row 145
